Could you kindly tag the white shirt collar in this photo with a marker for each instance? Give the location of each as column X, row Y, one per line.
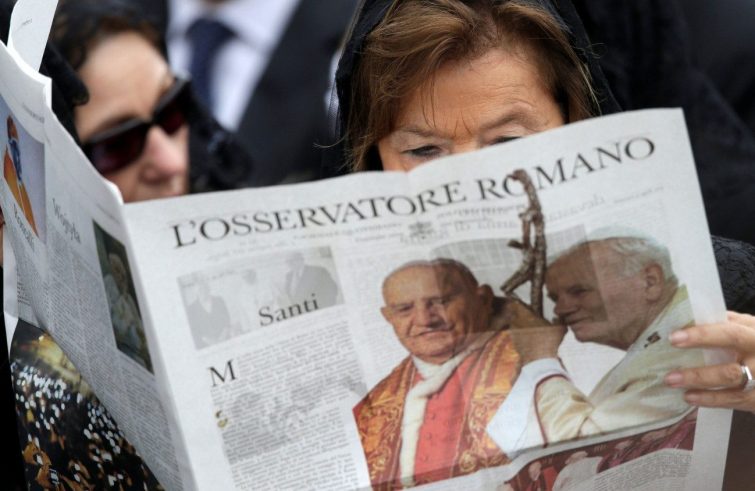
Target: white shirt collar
column 674, row 315
column 253, row 21
column 427, row 369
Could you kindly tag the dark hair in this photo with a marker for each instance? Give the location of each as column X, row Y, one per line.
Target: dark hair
column 416, row 37
column 81, row 24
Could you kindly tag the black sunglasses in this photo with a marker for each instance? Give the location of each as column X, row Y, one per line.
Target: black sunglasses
column 117, row 147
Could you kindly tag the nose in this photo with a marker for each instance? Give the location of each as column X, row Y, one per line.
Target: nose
column 565, row 305
column 167, row 156
column 466, row 146
column 426, row 315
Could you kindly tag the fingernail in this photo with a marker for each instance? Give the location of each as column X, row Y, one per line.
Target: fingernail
column 673, row 379
column 692, row 398
column 678, row 337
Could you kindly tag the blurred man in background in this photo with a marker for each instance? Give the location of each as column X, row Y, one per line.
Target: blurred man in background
column 264, row 69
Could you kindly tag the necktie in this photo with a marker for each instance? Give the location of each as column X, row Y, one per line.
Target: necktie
column 206, row 36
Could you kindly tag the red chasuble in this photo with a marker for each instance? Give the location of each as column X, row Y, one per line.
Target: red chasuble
column 452, row 439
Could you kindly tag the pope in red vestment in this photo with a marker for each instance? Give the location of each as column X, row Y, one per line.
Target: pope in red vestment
column 426, row 421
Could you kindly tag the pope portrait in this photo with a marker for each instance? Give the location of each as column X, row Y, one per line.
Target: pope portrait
column 426, row 421
column 618, row 290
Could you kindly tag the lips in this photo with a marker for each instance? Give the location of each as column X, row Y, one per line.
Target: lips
column 438, row 330
column 575, row 322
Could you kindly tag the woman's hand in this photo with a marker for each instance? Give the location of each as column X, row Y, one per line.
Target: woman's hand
column 718, row 385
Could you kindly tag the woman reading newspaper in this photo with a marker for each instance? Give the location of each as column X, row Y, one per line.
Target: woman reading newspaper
column 141, row 129
column 421, row 80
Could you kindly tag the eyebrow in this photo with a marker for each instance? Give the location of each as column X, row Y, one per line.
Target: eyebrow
column 514, row 114
column 165, row 84
column 416, row 130
column 400, row 305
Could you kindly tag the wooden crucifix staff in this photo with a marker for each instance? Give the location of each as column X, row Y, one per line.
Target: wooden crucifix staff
column 532, row 245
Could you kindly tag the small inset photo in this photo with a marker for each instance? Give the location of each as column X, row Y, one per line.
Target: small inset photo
column 209, row 317
column 125, row 315
column 242, row 296
column 24, row 171
column 310, row 278
column 69, row 440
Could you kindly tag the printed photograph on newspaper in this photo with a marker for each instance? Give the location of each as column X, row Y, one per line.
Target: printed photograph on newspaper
column 621, row 463
column 523, row 343
column 125, row 317
column 242, row 296
column 68, row 438
column 24, row 173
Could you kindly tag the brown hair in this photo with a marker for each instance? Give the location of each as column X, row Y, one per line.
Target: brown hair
column 80, row 25
column 416, row 37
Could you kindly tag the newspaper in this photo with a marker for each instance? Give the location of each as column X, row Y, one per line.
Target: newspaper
column 370, row 330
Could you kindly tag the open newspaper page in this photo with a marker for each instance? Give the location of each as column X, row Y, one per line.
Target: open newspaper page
column 70, row 276
column 389, row 330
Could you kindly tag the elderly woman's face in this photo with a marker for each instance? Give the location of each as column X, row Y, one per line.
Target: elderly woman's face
column 126, row 76
column 472, row 104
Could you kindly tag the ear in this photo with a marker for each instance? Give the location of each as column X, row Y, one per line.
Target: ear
column 654, row 281
column 386, row 314
column 486, row 295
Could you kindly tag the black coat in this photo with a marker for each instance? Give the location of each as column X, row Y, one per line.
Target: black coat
column 646, row 55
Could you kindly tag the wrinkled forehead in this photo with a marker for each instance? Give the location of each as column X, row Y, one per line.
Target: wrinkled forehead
column 421, row 280
column 475, row 74
column 590, row 262
column 576, row 265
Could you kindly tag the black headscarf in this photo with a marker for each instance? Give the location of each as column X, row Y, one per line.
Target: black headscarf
column 67, row 89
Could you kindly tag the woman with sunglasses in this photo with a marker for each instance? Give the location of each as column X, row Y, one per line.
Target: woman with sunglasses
column 141, row 129
column 134, row 128
column 140, row 126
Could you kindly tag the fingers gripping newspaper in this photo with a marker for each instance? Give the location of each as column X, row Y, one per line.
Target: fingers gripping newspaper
column 382, row 330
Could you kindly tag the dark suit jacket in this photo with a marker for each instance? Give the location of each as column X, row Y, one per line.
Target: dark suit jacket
column 286, row 117
column 315, row 280
column 208, row 327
